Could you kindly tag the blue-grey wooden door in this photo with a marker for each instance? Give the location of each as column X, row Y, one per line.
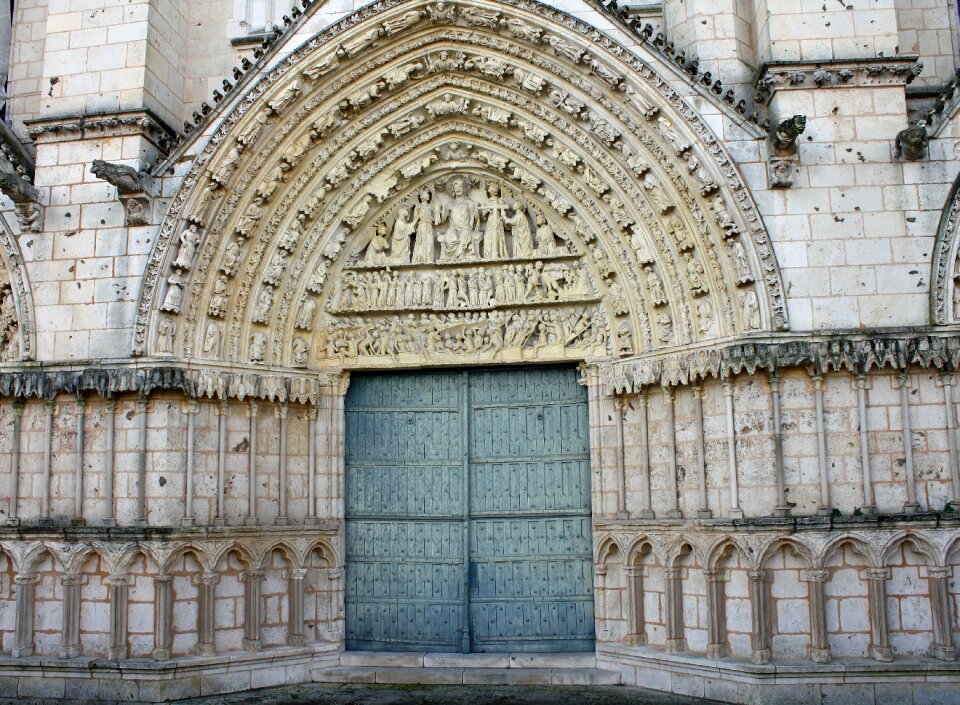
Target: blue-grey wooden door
column 468, row 512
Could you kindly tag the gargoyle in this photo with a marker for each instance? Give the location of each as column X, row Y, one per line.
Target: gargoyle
column 784, row 136
column 125, row 178
column 18, row 189
column 912, row 143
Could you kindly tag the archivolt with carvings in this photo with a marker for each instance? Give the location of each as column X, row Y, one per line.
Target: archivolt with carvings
column 431, row 181
column 16, row 302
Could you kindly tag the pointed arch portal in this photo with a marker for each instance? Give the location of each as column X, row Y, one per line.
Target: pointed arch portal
column 435, row 183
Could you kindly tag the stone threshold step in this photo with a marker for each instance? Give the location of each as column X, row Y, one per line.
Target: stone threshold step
column 415, row 659
column 465, row 676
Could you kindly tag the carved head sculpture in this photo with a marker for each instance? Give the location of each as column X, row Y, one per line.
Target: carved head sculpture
column 425, row 196
column 458, row 188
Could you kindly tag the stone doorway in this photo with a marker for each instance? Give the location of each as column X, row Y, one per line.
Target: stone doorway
column 468, row 513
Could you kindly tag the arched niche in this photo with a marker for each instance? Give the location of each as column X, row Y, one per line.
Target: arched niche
column 658, row 244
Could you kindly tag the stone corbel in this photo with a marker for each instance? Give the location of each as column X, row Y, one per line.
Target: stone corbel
column 131, row 189
column 26, row 201
column 785, row 158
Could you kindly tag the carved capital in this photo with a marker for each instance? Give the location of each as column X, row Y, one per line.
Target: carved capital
column 26, row 579
column 876, row 574
column 816, row 576
column 294, row 574
column 939, row 572
column 757, row 576
column 73, row 579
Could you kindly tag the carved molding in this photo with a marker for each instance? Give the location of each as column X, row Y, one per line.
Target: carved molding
column 847, row 73
column 17, row 322
column 291, row 96
column 945, row 274
column 121, row 124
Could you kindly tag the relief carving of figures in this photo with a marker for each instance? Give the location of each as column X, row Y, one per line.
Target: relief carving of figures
column 231, row 258
column 403, row 230
column 615, row 297
column 723, row 217
column 405, row 124
column 322, row 125
column 664, row 328
column 696, row 276
column 460, row 241
column 426, row 215
column 750, row 306
column 29, row 216
column 218, row 299
column 496, row 116
column 529, row 81
column 476, row 17
column 253, row 130
column 562, row 47
column 443, row 62
column 678, row 231
column 9, row 325
column 261, row 310
column 258, row 347
column 658, row 196
column 637, row 164
column 639, row 245
column 300, row 354
column 566, row 156
column 174, row 298
column 377, row 250
column 271, row 182
column 526, row 179
column 490, row 66
column 308, row 308
column 520, row 229
column 188, row 248
column 291, row 235
column 532, row 132
column 166, row 331
column 274, row 270
column 229, row 163
column 706, row 322
column 293, row 154
column 323, row 66
column 363, row 97
column 402, row 23
column 670, row 134
column 602, row 128
column 211, row 340
column 741, row 263
column 567, row 103
column 604, row 73
column 399, row 75
column 358, row 44
column 624, row 338
column 447, row 105
column 494, row 238
column 522, row 30
column 250, row 218
column 546, row 238
column 658, row 296
column 706, row 184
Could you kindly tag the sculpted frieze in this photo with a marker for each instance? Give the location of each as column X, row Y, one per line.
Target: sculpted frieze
column 560, row 202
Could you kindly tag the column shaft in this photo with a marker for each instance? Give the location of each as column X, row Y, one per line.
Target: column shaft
column 70, row 623
column 119, row 597
column 221, row 517
column 671, row 431
column 281, row 412
column 206, row 629
column 636, row 621
column 704, row 510
column 78, row 468
column 676, row 640
column 192, row 408
column 312, row 466
column 716, row 614
column 941, row 614
column 47, row 460
column 735, row 511
column 879, row 631
column 252, row 583
column 619, row 406
column 14, row 517
column 647, row 511
column 824, row 508
column 951, row 415
column 819, row 644
column 164, row 597
column 295, row 578
column 23, row 645
column 781, row 509
column 141, row 519
column 869, row 503
column 251, row 518
column 911, row 504
column 108, row 484
column 760, row 616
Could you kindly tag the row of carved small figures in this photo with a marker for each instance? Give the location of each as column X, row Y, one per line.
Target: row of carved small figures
column 481, row 332
column 462, row 289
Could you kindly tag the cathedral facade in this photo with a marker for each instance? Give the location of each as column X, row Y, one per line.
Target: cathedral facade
column 487, row 341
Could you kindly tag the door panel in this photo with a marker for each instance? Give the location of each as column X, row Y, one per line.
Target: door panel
column 468, row 512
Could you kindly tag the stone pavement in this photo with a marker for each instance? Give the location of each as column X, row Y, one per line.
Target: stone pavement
column 448, row 695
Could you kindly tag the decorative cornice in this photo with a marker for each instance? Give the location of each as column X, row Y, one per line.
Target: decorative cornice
column 777, row 76
column 122, row 124
column 856, row 353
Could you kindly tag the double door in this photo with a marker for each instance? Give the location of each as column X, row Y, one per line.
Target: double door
column 468, row 512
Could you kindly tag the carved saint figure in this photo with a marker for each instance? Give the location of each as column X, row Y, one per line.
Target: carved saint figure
column 286, row 97
column 305, row 314
column 462, row 218
column 403, row 229
column 261, row 311
column 377, row 250
column 704, row 181
column 478, row 17
column 696, row 276
column 252, row 131
column 426, row 214
column 546, row 238
column 670, row 134
column 448, row 106
column 443, row 62
column 562, row 47
column 657, row 294
column 188, row 247
column 258, row 347
column 401, row 23
column 174, row 298
column 678, row 231
column 166, row 330
column 250, row 218
column 399, row 75
column 211, row 340
column 522, row 30
column 741, row 263
column 494, row 239
column 657, row 195
column 664, row 329
column 218, row 299
column 751, row 309
column 520, row 228
column 275, row 267
column 300, row 353
column 30, row 217
column 231, row 258
column 360, row 43
column 324, row 66
column 705, row 316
